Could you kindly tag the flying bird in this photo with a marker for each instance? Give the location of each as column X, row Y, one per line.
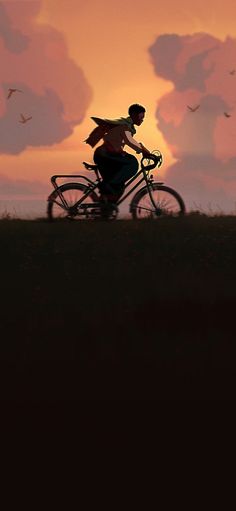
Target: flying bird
column 193, row 109
column 232, row 72
column 24, row 119
column 11, row 91
column 227, row 115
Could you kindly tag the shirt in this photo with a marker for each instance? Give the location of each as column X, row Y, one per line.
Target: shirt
column 116, row 138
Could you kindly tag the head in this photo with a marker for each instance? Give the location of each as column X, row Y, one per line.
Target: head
column 137, row 113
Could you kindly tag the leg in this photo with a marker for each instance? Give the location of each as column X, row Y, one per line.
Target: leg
column 128, row 168
column 115, row 169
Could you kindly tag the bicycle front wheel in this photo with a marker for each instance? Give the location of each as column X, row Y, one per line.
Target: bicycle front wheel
column 62, row 204
column 165, row 202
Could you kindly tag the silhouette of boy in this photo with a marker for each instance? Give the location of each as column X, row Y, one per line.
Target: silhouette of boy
column 116, row 166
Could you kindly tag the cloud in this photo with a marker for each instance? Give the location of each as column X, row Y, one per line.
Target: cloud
column 14, row 40
column 46, row 127
column 203, row 142
column 35, row 58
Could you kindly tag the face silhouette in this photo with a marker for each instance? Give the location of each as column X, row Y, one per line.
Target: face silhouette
column 138, row 118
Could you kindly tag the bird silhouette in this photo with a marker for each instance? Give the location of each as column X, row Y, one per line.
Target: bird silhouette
column 232, row 72
column 227, row 115
column 24, row 119
column 11, row 91
column 193, row 109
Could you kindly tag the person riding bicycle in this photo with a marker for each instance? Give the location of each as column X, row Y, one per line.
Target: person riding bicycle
column 116, row 166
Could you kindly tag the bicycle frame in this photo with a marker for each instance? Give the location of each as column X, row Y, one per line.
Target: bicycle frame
column 92, row 186
column 145, row 178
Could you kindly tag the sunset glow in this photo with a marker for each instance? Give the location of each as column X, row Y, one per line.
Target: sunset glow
column 75, row 59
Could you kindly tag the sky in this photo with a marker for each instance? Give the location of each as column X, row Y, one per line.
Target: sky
column 74, row 59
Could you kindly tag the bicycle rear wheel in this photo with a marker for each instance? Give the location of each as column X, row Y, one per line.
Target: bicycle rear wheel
column 62, row 202
column 167, row 202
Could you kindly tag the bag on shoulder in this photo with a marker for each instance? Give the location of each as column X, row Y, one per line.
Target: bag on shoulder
column 98, row 133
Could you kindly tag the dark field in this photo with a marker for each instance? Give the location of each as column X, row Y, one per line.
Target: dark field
column 118, row 310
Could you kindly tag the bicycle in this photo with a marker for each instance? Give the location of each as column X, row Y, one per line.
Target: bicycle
column 77, row 200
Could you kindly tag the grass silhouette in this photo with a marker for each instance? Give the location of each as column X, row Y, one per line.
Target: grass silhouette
column 118, row 310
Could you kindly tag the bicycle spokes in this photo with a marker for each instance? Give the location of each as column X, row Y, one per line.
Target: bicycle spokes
column 69, row 201
column 161, row 201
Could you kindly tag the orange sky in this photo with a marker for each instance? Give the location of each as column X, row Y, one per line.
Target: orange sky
column 108, row 41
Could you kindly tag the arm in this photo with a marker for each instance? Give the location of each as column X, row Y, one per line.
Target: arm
column 138, row 147
column 131, row 142
column 145, row 151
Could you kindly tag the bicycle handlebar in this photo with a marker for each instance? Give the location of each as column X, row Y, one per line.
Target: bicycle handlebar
column 157, row 161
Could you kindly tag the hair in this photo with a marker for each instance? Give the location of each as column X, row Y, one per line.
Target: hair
column 136, row 109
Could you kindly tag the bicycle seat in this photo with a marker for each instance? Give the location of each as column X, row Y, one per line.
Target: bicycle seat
column 90, row 166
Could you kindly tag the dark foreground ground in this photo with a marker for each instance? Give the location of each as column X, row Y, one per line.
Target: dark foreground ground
column 118, row 310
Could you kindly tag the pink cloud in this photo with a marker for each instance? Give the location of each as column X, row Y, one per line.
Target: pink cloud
column 35, row 58
column 203, row 142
